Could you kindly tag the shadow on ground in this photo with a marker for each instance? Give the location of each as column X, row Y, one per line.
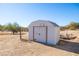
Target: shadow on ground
column 67, row 46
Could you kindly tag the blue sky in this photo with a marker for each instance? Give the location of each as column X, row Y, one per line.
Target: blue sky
column 24, row 14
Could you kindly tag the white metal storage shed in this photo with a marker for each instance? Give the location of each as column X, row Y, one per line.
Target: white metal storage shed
column 44, row 31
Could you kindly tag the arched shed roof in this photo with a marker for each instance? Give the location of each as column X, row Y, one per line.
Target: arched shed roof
column 47, row 21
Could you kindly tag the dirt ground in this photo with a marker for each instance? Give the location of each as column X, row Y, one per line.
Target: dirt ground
column 11, row 45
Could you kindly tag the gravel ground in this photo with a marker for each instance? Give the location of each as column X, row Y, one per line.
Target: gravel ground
column 11, row 45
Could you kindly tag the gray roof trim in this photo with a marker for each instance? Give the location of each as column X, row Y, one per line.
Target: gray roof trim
column 53, row 23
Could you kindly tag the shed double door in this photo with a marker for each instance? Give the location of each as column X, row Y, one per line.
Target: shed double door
column 40, row 34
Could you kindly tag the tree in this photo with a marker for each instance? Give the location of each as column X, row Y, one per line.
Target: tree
column 0, row 27
column 13, row 27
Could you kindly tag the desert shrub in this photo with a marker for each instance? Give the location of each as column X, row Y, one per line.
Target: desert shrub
column 71, row 26
column 25, row 29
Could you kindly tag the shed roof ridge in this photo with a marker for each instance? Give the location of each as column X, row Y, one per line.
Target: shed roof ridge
column 49, row 22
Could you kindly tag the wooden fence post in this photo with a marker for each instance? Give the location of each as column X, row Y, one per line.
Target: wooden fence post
column 20, row 34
